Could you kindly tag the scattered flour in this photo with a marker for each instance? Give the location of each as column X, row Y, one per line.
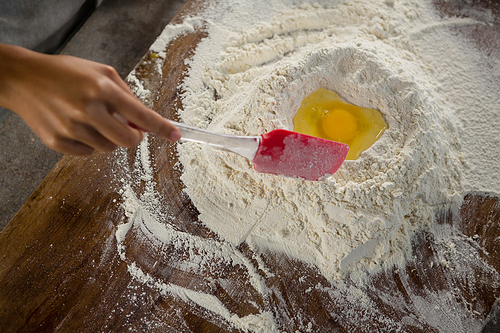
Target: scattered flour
column 262, row 323
column 145, row 213
column 250, row 75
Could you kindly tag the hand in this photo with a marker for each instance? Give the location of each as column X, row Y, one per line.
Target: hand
column 75, row 105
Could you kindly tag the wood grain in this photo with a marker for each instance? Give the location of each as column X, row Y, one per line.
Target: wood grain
column 60, row 269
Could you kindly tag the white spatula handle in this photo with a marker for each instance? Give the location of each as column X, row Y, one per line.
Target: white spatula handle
column 244, row 145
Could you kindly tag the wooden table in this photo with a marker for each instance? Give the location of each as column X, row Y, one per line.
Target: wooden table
column 60, row 269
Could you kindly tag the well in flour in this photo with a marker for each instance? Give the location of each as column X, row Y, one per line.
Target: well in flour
column 391, row 191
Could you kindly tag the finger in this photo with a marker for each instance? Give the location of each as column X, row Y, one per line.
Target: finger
column 108, row 124
column 91, row 137
column 125, row 121
column 134, row 111
column 113, row 75
column 73, row 147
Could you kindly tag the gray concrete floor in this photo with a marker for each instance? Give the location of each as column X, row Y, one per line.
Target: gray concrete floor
column 118, row 33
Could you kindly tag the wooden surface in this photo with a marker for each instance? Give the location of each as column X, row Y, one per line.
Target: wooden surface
column 60, row 269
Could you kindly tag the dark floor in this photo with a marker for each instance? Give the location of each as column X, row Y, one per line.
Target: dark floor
column 118, row 33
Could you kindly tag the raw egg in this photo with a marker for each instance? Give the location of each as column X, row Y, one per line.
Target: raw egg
column 323, row 114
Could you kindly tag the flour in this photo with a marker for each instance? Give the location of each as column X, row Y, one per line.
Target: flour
column 262, row 323
column 250, row 75
column 146, row 214
column 169, row 33
column 361, row 219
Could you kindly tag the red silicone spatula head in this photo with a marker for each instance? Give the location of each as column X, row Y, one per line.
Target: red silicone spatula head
column 292, row 154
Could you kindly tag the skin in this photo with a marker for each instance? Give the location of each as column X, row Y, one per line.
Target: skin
column 74, row 105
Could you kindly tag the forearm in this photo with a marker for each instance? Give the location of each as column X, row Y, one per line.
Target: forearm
column 14, row 63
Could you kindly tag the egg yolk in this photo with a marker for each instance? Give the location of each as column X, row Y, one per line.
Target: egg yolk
column 339, row 125
column 323, row 114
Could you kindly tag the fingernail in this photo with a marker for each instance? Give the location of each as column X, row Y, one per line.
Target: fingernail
column 175, row 135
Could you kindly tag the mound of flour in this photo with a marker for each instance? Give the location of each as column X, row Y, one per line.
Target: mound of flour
column 250, row 81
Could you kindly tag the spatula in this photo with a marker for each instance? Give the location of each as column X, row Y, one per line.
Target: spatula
column 278, row 152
